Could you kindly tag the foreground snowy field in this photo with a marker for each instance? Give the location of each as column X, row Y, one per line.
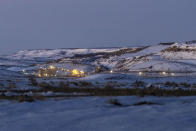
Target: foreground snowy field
column 96, row 114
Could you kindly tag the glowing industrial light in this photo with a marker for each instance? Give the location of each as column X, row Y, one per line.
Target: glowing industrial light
column 82, row 72
column 163, row 73
column 52, row 67
column 46, row 75
column 23, row 71
column 111, row 71
column 75, row 72
column 173, row 74
column 140, row 73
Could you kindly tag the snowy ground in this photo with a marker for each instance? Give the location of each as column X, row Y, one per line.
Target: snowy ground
column 95, row 114
column 163, row 66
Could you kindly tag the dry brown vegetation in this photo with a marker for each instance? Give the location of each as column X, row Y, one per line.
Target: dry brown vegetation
column 113, row 91
column 167, row 43
column 178, row 49
column 145, row 103
column 89, row 89
column 123, row 51
column 116, row 102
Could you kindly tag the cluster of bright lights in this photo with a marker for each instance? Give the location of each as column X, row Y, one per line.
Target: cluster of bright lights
column 165, row 73
column 52, row 71
column 162, row 73
column 77, row 73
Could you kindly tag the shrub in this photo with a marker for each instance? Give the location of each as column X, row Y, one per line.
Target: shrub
column 74, row 83
column 12, row 85
column 145, row 103
column 152, row 86
column 185, row 84
column 194, row 85
column 114, row 102
column 138, row 84
column 33, row 81
column 2, row 85
column 75, row 62
column 25, row 98
column 44, row 84
column 171, row 84
column 109, row 85
column 63, row 84
column 84, row 83
column 51, row 82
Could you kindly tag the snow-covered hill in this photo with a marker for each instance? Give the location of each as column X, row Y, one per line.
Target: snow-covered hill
column 174, row 57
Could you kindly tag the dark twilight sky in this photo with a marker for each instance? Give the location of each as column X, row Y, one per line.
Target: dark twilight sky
column 34, row 24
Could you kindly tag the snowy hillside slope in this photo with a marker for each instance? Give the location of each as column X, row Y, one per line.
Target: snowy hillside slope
column 55, row 54
column 156, row 58
column 180, row 51
column 175, row 57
